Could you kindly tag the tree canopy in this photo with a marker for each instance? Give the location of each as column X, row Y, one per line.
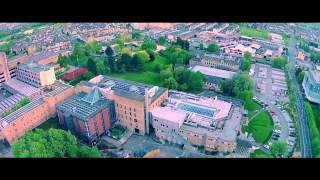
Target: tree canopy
column 184, row 44
column 279, row 62
column 213, row 48
column 148, row 44
column 161, row 40
column 279, row 149
column 109, row 51
column 247, row 61
column 51, row 143
column 239, row 84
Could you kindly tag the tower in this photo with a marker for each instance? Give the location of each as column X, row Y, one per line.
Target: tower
column 4, row 70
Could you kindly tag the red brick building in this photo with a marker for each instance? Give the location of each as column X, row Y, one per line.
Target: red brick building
column 86, row 115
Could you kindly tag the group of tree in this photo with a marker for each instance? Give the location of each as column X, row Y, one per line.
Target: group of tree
column 161, row 40
column 80, row 54
column 176, row 55
column 279, row 149
column 136, row 35
column 279, row 62
column 182, row 79
column 247, row 58
column 184, row 44
column 214, row 48
column 304, row 45
column 300, row 75
column 52, row 143
column 240, row 86
column 315, row 57
column 148, row 44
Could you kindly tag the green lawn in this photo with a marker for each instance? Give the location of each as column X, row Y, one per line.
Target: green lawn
column 142, row 77
column 252, row 107
column 261, row 127
column 246, row 31
column 161, row 61
column 259, row 154
column 50, row 123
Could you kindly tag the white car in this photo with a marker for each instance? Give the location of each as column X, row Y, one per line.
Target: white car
column 266, row 146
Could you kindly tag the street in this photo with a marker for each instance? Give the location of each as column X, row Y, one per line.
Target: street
column 305, row 141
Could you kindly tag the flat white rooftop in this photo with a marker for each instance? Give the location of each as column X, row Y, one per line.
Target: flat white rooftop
column 213, row 72
column 169, row 115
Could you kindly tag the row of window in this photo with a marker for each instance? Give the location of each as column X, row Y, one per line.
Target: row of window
column 125, row 107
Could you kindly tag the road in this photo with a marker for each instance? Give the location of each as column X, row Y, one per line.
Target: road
column 305, row 141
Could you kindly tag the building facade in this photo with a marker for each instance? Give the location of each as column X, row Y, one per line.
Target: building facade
column 230, row 63
column 133, row 101
column 36, row 75
column 311, row 85
column 16, row 124
column 86, row 115
column 204, row 122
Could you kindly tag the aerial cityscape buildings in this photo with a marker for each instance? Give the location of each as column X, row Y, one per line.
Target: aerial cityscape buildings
column 245, row 90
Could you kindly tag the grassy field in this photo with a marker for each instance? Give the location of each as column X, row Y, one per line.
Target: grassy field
column 161, row 61
column 246, row 31
column 50, row 123
column 252, row 107
column 142, row 77
column 261, row 127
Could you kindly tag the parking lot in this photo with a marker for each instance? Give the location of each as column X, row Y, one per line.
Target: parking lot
column 270, row 91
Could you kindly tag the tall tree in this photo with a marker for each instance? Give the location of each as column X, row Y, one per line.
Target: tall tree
column 279, row 149
column 161, row 40
column 148, row 44
column 91, row 64
column 102, row 69
column 109, row 51
column 120, row 41
column 213, row 48
column 247, row 61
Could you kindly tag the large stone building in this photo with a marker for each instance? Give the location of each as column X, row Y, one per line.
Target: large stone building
column 311, row 85
column 230, row 63
column 87, row 115
column 208, row 122
column 133, row 101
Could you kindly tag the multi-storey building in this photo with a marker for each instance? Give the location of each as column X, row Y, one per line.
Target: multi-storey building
column 230, row 63
column 8, row 66
column 133, row 101
column 311, row 85
column 87, row 115
column 35, row 74
column 208, row 122
column 40, row 109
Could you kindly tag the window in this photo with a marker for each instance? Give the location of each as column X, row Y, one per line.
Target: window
column 135, row 120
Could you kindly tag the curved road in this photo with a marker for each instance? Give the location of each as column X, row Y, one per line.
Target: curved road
column 305, row 141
